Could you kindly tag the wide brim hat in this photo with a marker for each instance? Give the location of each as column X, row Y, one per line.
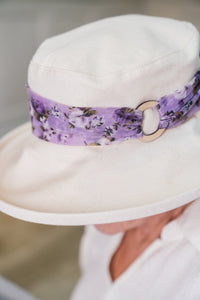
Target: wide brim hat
column 122, row 61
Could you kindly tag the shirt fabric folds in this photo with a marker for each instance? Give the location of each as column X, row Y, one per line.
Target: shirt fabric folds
column 168, row 269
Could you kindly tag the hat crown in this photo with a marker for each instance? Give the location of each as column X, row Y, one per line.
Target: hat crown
column 117, row 61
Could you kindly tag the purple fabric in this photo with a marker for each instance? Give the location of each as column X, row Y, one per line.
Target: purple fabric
column 76, row 126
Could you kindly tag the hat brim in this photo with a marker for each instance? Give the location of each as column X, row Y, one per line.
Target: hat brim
column 77, row 185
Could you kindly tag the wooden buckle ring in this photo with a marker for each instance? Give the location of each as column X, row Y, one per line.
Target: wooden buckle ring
column 154, row 135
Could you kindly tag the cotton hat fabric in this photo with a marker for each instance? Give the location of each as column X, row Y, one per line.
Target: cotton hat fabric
column 116, row 61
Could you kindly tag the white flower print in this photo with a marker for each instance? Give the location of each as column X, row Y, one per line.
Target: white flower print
column 103, row 141
column 97, row 121
column 180, row 94
column 44, row 122
column 55, row 112
column 77, row 119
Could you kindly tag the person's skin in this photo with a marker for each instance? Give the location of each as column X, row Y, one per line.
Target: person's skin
column 138, row 235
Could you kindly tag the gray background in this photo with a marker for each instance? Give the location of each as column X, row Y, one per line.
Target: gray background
column 43, row 259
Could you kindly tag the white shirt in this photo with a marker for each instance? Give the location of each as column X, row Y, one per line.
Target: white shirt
column 9, row 291
column 169, row 269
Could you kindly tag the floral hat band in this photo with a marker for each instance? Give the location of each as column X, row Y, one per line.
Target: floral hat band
column 86, row 126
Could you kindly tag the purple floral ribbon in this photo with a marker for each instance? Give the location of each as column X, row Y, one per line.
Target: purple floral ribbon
column 78, row 126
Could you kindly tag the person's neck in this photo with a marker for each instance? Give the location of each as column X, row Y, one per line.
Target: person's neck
column 136, row 240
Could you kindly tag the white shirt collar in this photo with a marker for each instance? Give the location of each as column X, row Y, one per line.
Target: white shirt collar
column 187, row 225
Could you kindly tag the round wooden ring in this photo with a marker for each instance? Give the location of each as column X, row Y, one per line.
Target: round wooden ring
column 154, row 135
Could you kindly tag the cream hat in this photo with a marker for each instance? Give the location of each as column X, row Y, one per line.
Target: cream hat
column 121, row 61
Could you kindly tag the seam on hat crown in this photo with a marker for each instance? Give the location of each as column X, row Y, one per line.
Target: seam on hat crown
column 136, row 67
column 194, row 34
